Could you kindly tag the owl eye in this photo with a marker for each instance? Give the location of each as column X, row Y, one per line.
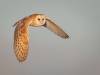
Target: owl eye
column 38, row 19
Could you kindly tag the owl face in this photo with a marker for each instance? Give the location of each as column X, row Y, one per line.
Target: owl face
column 40, row 20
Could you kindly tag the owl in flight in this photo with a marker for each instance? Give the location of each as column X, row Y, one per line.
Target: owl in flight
column 21, row 40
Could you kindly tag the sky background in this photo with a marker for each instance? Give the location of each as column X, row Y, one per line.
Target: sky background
column 48, row 53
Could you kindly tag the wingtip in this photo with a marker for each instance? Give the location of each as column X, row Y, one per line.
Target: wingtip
column 67, row 37
column 14, row 25
column 21, row 60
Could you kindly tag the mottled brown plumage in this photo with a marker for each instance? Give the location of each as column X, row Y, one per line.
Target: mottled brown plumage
column 21, row 41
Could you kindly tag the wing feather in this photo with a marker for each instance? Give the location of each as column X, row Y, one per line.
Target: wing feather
column 21, row 43
column 55, row 28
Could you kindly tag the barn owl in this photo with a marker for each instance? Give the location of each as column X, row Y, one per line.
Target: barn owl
column 21, row 40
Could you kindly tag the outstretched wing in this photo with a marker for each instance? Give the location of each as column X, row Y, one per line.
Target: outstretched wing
column 55, row 28
column 21, row 42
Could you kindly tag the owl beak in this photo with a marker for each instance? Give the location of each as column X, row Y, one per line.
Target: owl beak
column 41, row 22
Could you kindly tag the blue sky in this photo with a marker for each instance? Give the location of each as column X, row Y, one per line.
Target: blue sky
column 48, row 53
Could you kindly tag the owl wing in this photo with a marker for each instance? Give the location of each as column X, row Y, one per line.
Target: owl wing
column 21, row 42
column 55, row 28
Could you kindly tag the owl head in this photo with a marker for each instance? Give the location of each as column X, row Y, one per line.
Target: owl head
column 38, row 20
